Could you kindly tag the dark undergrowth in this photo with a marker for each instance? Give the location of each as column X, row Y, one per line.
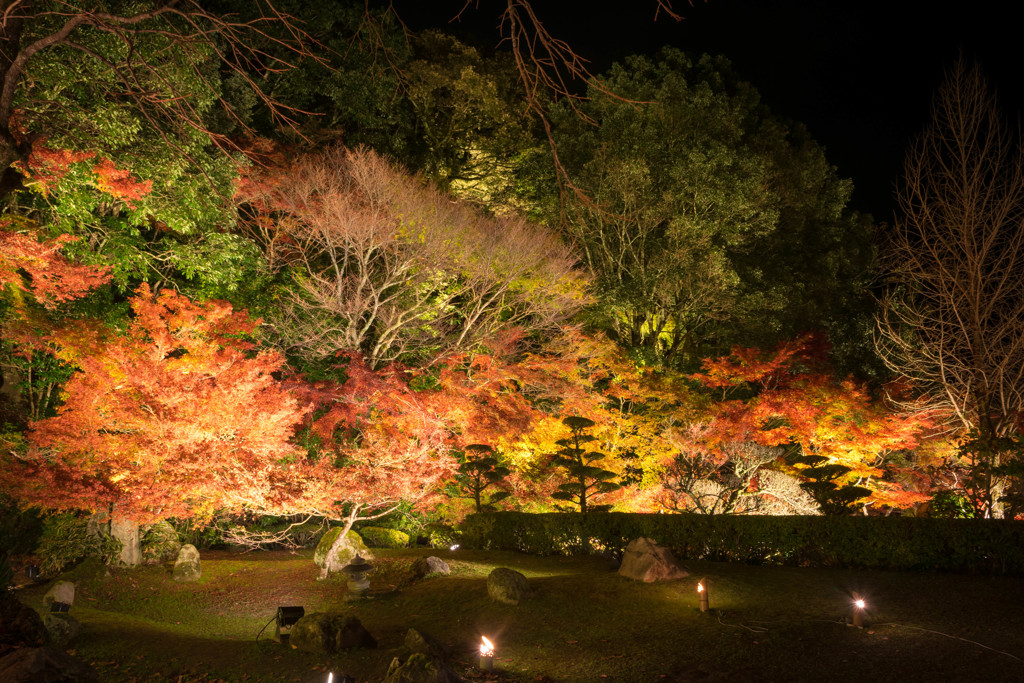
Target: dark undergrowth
column 583, row 623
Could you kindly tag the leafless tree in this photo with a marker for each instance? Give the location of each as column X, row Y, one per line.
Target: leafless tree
column 389, row 266
column 719, row 481
column 953, row 316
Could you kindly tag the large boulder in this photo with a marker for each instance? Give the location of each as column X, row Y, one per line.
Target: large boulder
column 420, row 668
column 324, row 632
column 44, row 665
column 187, row 566
column 349, row 548
column 425, row 566
column 645, row 560
column 63, row 629
column 20, row 625
column 160, row 543
column 507, row 585
column 60, row 591
column 127, row 531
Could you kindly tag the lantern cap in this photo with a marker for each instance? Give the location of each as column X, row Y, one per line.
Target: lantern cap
column 358, row 565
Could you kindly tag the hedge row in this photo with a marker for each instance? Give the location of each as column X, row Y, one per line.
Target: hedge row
column 900, row 543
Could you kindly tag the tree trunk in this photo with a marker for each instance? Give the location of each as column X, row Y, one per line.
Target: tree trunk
column 332, row 554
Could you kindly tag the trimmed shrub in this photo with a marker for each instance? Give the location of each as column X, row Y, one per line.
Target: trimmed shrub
column 897, row 543
column 160, row 543
column 381, row 537
column 442, row 536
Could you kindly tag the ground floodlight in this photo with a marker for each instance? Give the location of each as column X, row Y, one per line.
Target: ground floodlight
column 486, row 654
column 286, row 618
column 858, row 610
column 59, row 607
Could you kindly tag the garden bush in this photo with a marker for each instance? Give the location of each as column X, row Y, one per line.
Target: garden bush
column 899, row 543
column 382, row 537
column 65, row 540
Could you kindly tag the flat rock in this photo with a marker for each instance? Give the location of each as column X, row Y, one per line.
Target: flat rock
column 645, row 560
column 430, row 565
column 507, row 586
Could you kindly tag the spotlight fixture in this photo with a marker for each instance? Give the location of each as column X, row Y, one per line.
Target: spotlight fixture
column 59, row 607
column 286, row 618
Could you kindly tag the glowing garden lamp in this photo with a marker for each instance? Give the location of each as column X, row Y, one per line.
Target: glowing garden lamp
column 486, row 654
column 702, row 592
column 858, row 610
column 356, row 570
column 286, row 618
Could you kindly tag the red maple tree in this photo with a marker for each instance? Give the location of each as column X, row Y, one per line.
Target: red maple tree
column 790, row 397
column 178, row 417
column 40, row 268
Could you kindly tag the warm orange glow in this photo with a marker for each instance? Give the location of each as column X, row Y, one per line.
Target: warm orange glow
column 486, row 647
column 859, row 604
column 700, row 587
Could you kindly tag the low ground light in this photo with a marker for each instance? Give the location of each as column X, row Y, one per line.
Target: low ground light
column 584, row 622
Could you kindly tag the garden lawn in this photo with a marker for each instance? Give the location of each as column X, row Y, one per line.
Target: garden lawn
column 584, row 622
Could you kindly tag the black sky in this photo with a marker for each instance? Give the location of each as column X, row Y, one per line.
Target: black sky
column 860, row 75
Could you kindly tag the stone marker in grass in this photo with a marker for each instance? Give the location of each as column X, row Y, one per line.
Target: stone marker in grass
column 507, row 586
column 645, row 560
column 187, row 567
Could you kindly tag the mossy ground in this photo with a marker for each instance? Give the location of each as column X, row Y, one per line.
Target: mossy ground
column 583, row 623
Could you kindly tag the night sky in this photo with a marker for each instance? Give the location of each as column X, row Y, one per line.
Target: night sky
column 860, row 75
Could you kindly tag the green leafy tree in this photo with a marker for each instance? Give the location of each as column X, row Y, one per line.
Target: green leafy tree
column 109, row 130
column 704, row 219
column 586, row 481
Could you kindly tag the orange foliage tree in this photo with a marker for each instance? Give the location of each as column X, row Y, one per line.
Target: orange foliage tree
column 788, row 399
column 178, row 417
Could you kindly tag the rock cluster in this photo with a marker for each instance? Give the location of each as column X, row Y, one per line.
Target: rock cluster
column 326, row 632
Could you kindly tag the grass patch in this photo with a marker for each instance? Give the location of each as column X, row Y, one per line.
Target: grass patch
column 584, row 622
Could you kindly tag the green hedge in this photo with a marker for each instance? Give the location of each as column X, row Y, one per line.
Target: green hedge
column 901, row 543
